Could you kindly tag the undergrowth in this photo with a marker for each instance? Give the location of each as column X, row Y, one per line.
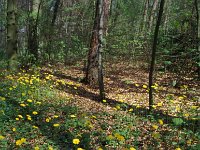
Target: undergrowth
column 34, row 114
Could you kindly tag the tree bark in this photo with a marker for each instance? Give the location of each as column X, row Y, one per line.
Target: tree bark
column 55, row 12
column 152, row 15
column 167, row 12
column 153, row 55
column 33, row 28
column 145, row 15
column 198, row 35
column 11, row 32
column 94, row 71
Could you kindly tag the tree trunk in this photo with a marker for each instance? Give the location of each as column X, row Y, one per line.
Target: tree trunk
column 198, row 35
column 152, row 15
column 94, row 73
column 153, row 55
column 145, row 15
column 55, row 12
column 33, row 28
column 106, row 10
column 167, row 12
column 11, row 33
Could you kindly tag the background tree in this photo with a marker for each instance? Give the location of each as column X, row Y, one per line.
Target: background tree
column 11, row 32
column 33, row 43
column 153, row 55
column 198, row 35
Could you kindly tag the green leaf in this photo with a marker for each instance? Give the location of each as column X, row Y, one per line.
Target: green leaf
column 177, row 121
column 174, row 83
column 167, row 62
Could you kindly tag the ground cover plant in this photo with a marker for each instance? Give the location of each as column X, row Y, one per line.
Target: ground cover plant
column 45, row 109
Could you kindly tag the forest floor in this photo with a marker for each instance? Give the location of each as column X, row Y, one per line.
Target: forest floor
column 121, row 121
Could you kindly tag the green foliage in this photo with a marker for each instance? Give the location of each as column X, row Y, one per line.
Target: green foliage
column 178, row 121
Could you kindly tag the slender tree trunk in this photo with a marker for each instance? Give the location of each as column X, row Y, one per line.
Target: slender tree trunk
column 55, row 12
column 167, row 12
column 106, row 10
column 198, row 34
column 94, row 73
column 145, row 15
column 33, row 42
column 51, row 29
column 153, row 55
column 152, row 15
column 11, row 32
column 103, row 11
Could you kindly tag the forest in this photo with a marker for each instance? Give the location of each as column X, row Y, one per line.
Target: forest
column 99, row 74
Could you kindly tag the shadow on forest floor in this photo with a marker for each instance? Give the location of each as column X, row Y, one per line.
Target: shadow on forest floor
column 144, row 112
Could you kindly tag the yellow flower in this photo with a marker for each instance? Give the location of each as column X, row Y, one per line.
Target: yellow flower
column 154, row 87
column 159, row 104
column 20, row 116
column 17, row 119
column 160, row 121
column 132, row 148
column 130, row 110
column 180, row 97
column 93, row 117
column 10, row 88
column 194, row 107
column 178, row 109
column 35, row 127
column 154, row 106
column 119, row 137
column 34, row 112
column 48, row 119
column 104, row 101
column 31, row 82
column 117, row 107
column 73, row 116
column 20, row 142
column 36, row 148
column 155, row 127
column 137, row 85
column 2, row 98
column 2, row 137
column 55, row 116
column 14, row 129
column 100, row 148
column 38, row 103
column 76, row 141
column 178, row 148
column 29, row 100
column 56, row 125
column 186, row 115
column 121, row 100
column 29, row 118
column 138, row 106
column 144, row 86
column 23, row 105
column 80, row 148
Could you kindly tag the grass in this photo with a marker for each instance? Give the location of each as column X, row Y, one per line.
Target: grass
column 39, row 110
